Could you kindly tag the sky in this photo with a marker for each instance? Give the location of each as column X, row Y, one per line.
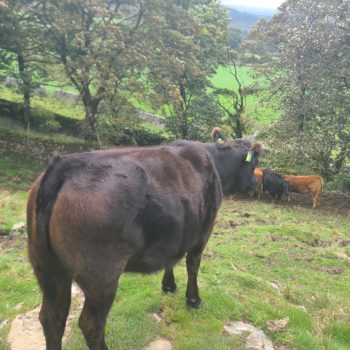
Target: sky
column 270, row 4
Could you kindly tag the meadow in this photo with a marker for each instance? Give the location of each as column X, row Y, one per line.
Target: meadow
column 263, row 262
column 258, row 113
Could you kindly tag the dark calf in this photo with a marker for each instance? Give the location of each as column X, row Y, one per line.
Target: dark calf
column 274, row 184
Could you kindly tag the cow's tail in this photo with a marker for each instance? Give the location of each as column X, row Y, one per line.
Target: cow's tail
column 40, row 203
column 322, row 183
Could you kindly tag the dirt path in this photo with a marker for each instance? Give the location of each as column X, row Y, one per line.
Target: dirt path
column 330, row 202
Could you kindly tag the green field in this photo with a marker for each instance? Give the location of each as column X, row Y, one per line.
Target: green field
column 263, row 262
column 257, row 112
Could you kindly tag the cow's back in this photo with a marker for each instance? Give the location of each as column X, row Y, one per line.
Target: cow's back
column 152, row 202
column 304, row 184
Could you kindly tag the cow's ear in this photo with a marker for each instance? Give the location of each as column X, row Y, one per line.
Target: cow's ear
column 257, row 148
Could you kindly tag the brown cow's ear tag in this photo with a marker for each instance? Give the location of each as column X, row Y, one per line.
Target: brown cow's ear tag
column 249, row 157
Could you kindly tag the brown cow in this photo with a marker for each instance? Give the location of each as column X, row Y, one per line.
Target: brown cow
column 92, row 216
column 259, row 176
column 216, row 135
column 305, row 184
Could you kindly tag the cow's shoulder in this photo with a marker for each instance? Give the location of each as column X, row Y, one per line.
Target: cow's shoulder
column 196, row 154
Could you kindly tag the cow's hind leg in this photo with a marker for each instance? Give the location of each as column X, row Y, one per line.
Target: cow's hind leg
column 168, row 282
column 193, row 260
column 92, row 320
column 100, row 289
column 318, row 194
column 55, row 306
column 314, row 200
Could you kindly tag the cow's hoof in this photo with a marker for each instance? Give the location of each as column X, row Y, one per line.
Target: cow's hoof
column 194, row 303
column 169, row 288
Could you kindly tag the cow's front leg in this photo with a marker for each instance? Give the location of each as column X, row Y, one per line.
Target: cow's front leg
column 193, row 261
column 168, row 282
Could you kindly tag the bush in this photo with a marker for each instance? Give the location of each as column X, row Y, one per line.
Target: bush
column 128, row 131
column 340, row 182
column 50, row 125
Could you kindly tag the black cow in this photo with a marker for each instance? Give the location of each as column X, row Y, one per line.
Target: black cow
column 274, row 184
column 92, row 216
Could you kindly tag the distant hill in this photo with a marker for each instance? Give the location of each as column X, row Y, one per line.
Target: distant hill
column 244, row 20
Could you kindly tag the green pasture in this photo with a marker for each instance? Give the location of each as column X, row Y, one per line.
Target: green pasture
column 47, row 105
column 257, row 112
column 263, row 262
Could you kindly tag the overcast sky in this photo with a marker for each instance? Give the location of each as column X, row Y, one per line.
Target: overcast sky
column 270, row 4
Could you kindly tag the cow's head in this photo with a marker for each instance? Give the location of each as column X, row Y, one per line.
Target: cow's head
column 245, row 179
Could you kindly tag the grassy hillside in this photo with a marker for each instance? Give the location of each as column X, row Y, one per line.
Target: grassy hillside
column 49, row 104
column 263, row 262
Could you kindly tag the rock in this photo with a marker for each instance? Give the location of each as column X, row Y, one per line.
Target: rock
column 258, row 341
column 8, row 81
column 19, row 228
column 156, row 317
column 342, row 255
column 238, row 328
column 65, row 95
column 275, row 286
column 3, row 323
column 40, row 91
column 159, row 344
column 26, row 332
column 302, row 308
column 277, row 325
column 151, row 118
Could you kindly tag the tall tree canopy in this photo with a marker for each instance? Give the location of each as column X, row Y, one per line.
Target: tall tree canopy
column 21, row 43
column 189, row 46
column 306, row 51
column 100, row 45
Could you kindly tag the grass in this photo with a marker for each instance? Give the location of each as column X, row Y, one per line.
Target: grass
column 8, row 124
column 263, row 262
column 49, row 104
column 257, row 113
column 16, row 175
column 18, row 288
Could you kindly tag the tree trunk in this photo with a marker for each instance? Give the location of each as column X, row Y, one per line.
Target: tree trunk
column 340, row 159
column 239, row 127
column 184, row 128
column 91, row 106
column 26, row 87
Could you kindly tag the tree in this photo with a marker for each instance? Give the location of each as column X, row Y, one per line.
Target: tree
column 306, row 51
column 21, row 41
column 231, row 101
column 234, row 39
column 189, row 47
column 99, row 44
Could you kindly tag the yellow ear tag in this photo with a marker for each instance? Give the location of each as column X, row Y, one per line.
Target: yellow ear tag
column 249, row 157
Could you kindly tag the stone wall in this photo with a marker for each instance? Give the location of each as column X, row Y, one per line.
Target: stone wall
column 39, row 149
